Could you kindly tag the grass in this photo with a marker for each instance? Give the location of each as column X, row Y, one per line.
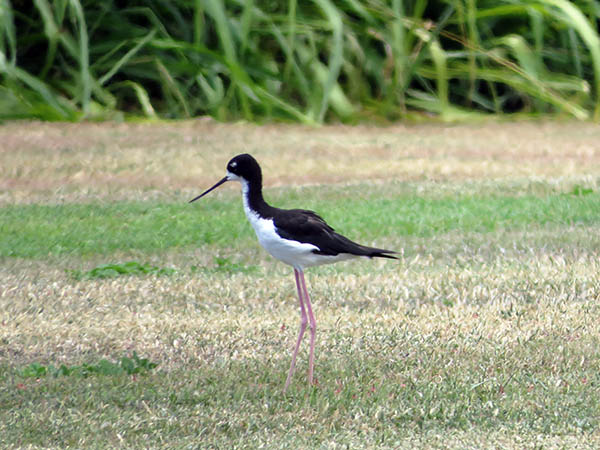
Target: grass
column 49, row 163
column 34, row 231
column 126, row 365
column 512, row 358
column 369, row 404
column 308, row 63
column 483, row 335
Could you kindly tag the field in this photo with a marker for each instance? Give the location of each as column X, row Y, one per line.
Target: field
column 130, row 318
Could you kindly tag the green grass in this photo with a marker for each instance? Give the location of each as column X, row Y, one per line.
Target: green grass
column 126, row 365
column 32, row 231
column 121, row 269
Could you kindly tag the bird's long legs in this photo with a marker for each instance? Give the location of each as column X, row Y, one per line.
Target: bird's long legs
column 303, row 323
column 303, row 298
column 313, row 330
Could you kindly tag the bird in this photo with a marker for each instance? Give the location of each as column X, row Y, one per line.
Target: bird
column 297, row 237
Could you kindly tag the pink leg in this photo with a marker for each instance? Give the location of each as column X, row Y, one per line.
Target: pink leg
column 303, row 323
column 313, row 331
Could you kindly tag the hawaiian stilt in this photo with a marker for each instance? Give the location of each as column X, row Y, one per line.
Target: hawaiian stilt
column 297, row 237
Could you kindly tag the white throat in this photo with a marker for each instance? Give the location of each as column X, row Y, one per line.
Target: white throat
column 245, row 192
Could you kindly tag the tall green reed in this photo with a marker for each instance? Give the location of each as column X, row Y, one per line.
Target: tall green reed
column 302, row 61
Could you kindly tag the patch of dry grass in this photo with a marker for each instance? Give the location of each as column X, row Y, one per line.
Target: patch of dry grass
column 65, row 162
column 46, row 314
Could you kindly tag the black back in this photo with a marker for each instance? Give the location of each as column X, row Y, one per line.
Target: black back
column 297, row 224
column 308, row 227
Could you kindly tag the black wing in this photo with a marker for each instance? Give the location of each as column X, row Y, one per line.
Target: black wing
column 308, row 227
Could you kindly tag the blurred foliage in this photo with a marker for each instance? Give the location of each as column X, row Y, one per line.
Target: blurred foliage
column 301, row 61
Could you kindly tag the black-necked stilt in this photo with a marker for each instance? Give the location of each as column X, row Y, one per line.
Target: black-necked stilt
column 297, row 237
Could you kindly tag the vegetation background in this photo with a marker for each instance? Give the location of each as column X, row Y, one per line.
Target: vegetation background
column 302, row 61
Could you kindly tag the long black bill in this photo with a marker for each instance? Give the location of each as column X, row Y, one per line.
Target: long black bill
column 206, row 192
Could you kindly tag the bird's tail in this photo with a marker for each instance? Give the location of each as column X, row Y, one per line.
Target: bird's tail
column 345, row 245
column 380, row 253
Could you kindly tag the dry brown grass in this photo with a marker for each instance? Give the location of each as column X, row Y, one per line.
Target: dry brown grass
column 54, row 162
column 523, row 323
column 48, row 316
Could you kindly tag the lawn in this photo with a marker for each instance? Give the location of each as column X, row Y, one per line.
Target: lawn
column 130, row 318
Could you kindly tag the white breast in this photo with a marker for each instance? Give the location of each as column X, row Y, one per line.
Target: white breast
column 294, row 253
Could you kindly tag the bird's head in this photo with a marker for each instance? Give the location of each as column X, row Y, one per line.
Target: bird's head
column 242, row 168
